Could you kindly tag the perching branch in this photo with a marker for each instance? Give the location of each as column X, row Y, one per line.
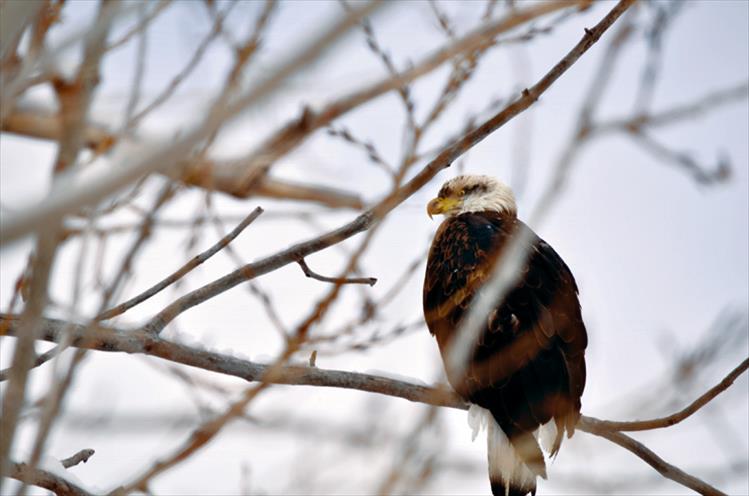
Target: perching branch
column 336, row 280
column 139, row 342
column 115, row 340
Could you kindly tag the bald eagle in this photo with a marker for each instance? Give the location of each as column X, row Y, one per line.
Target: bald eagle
column 527, row 369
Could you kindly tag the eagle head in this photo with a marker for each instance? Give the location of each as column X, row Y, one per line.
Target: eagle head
column 473, row 193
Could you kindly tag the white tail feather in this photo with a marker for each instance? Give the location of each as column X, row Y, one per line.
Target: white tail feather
column 504, row 463
column 477, row 419
column 547, row 434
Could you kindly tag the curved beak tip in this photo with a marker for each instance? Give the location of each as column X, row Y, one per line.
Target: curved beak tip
column 433, row 207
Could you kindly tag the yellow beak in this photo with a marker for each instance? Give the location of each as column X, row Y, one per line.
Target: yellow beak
column 440, row 206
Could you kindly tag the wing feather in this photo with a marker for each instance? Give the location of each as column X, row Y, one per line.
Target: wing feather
column 528, row 366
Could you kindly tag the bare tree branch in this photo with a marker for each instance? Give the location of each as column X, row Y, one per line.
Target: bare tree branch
column 38, row 123
column 103, row 192
column 182, row 271
column 238, row 174
column 682, row 414
column 66, row 200
column 677, row 113
column 23, row 356
column 46, row 480
column 337, row 280
column 39, row 360
column 137, row 341
column 113, row 340
column 140, row 26
column 719, row 172
column 664, row 468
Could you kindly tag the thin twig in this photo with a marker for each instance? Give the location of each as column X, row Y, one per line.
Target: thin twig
column 182, row 271
column 40, row 360
column 720, row 172
column 675, row 418
column 140, row 26
column 336, row 280
column 177, row 80
column 254, row 288
column 676, row 113
column 366, row 146
column 293, row 134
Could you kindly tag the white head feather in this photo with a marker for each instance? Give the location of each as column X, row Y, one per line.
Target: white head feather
column 477, row 193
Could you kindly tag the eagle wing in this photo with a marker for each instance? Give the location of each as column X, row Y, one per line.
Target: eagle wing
column 528, row 366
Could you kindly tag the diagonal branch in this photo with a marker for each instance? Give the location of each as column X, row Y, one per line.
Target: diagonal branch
column 371, row 217
column 182, row 271
column 39, row 360
column 234, row 176
column 648, row 456
column 508, row 267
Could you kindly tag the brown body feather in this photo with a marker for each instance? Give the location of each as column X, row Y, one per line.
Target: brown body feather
column 528, row 367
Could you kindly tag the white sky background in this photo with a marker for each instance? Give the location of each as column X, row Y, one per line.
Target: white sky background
column 658, row 258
